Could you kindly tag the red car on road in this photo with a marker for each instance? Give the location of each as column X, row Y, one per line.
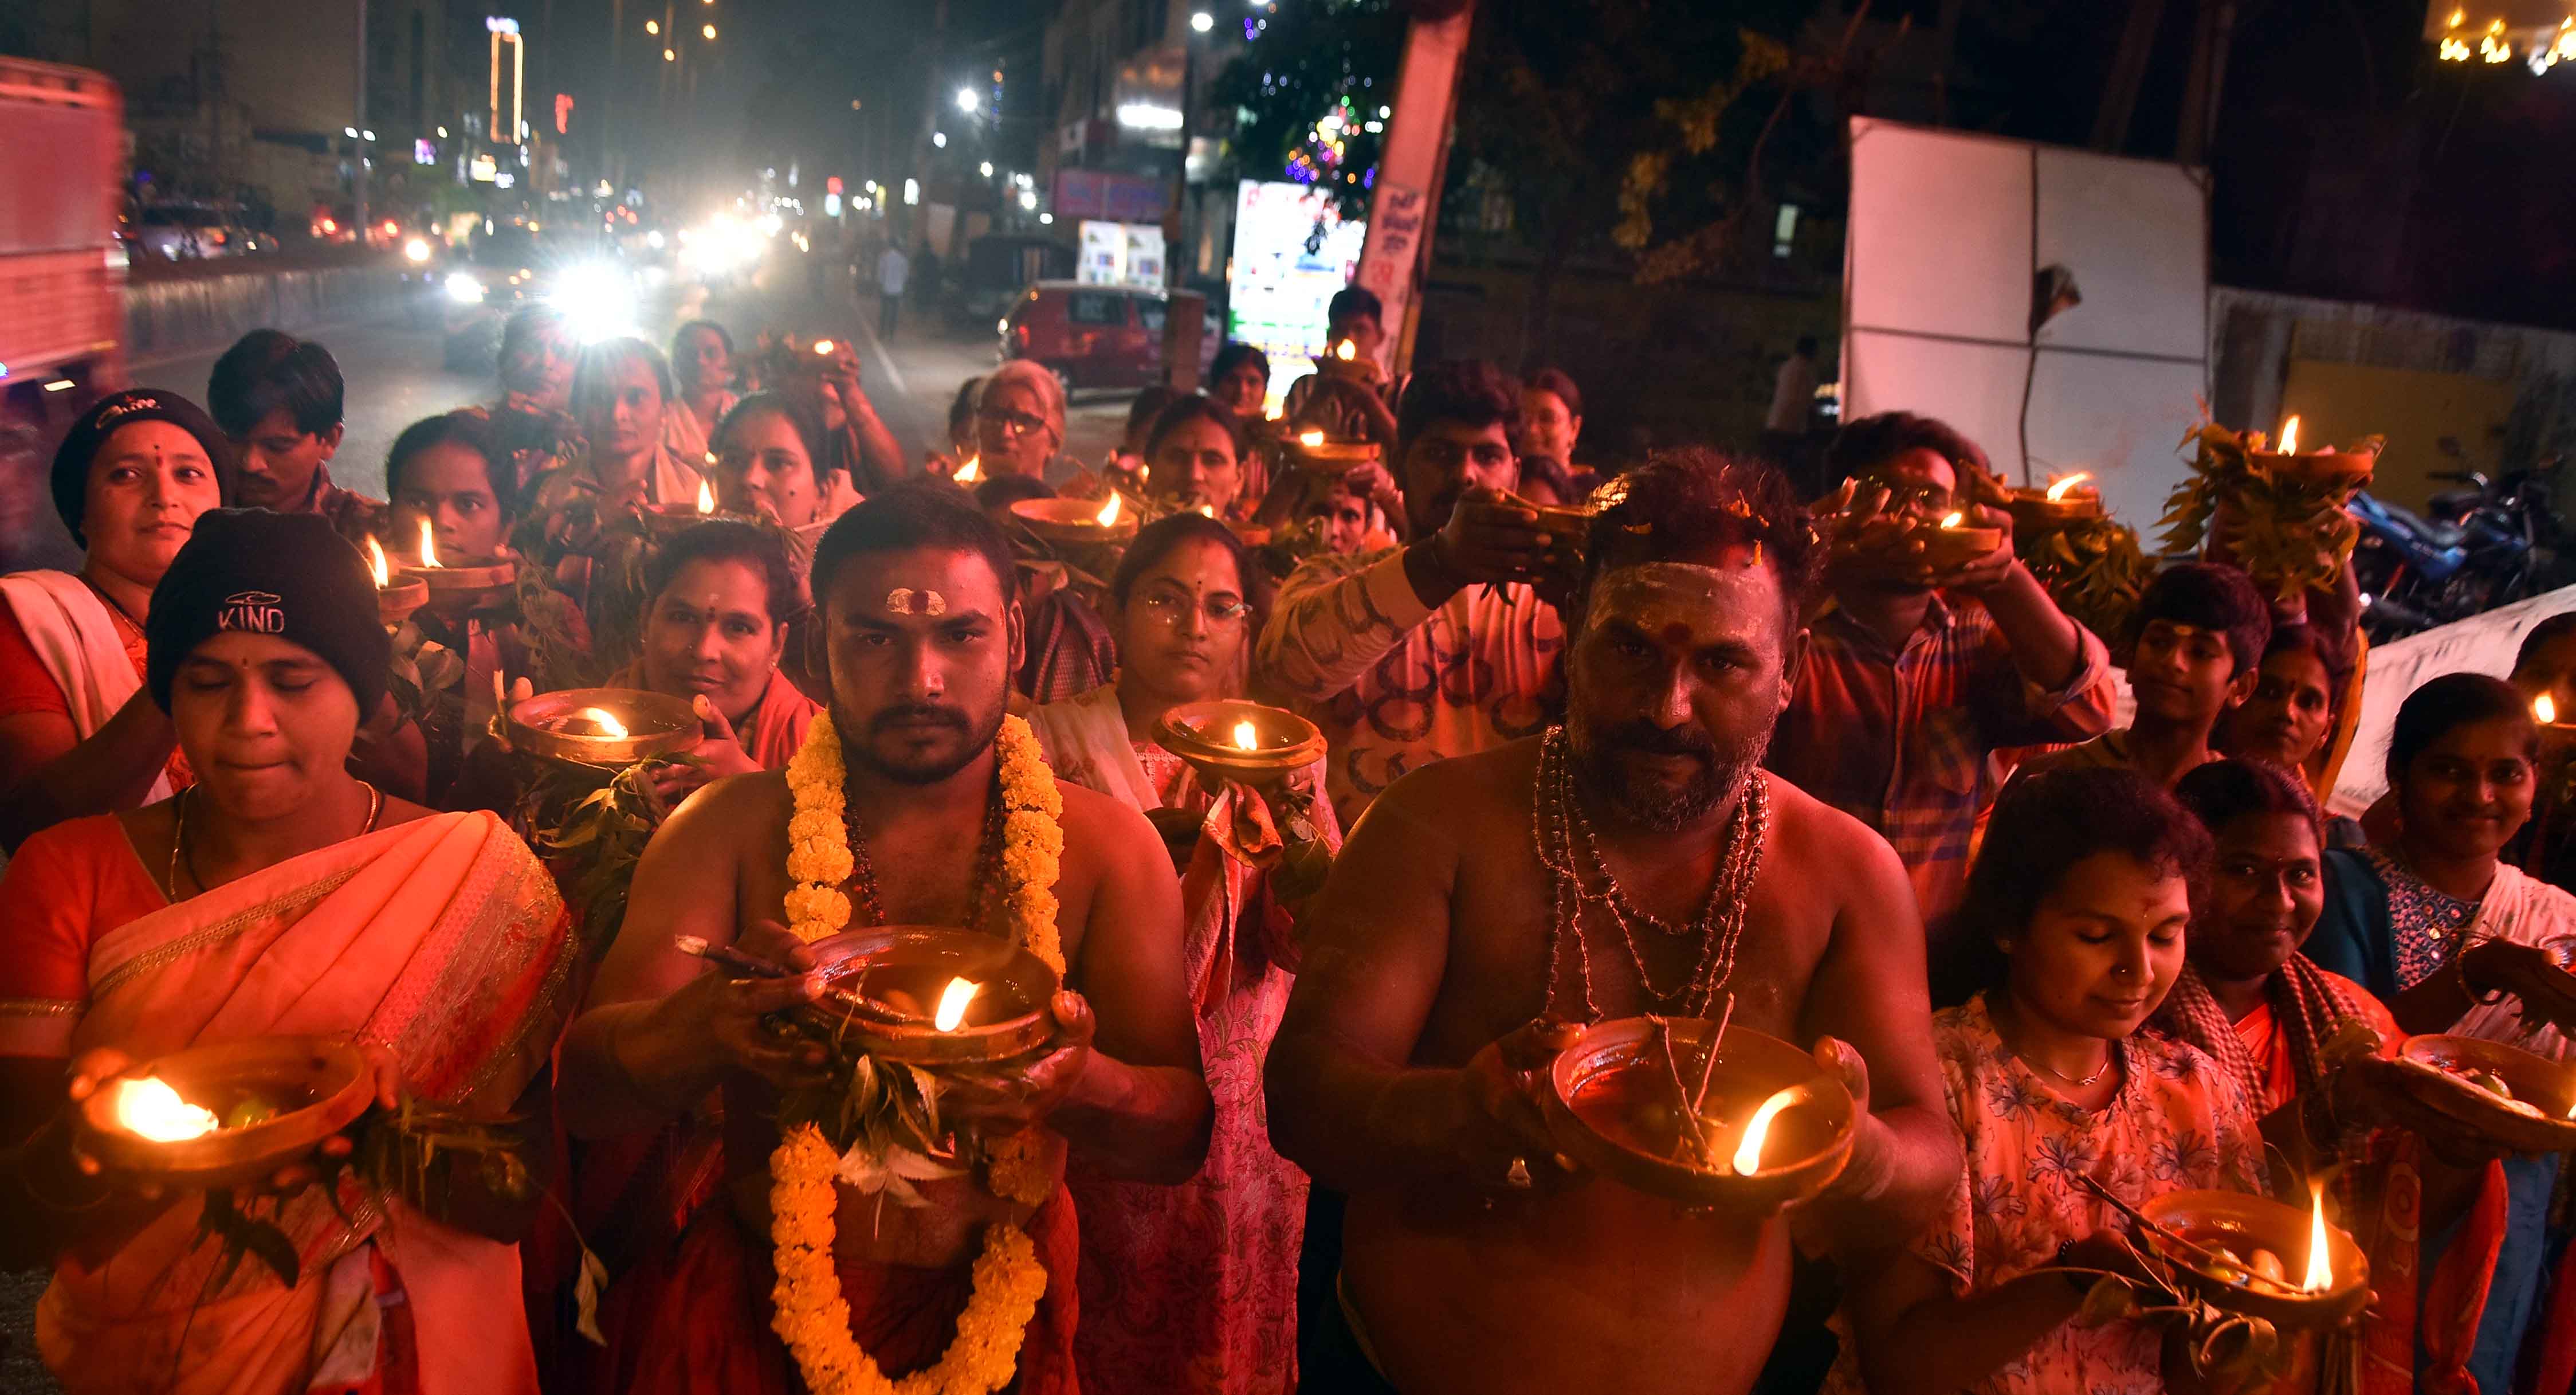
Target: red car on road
column 1095, row 336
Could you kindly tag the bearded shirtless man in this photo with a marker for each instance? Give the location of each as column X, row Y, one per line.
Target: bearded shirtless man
column 922, row 635
column 1406, row 1073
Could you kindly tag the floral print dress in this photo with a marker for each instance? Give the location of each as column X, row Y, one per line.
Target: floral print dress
column 2178, row 1123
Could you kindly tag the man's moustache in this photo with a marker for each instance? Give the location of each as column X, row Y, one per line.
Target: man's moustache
column 1650, row 739
column 916, row 715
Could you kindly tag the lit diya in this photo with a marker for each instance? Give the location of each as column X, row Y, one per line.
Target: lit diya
column 1951, row 545
column 226, row 1114
column 395, row 599
column 2350, row 468
column 608, row 727
column 1077, row 521
column 459, row 584
column 972, row 472
column 2256, row 1257
column 662, row 520
column 1758, row 1126
column 2501, row 1094
column 1227, row 740
column 2067, row 499
column 932, row 995
column 1318, row 454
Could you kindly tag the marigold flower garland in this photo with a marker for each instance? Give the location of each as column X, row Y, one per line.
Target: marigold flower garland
column 811, row 1316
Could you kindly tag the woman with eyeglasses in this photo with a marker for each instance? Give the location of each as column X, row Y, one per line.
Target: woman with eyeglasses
column 1019, row 424
column 1194, row 1287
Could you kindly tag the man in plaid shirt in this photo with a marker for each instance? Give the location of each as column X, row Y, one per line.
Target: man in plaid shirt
column 1914, row 681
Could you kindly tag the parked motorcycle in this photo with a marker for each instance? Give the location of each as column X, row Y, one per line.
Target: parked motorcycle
column 2490, row 544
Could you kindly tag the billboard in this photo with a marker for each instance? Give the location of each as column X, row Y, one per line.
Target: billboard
column 1292, row 251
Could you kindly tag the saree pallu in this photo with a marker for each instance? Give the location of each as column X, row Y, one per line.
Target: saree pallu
column 442, row 939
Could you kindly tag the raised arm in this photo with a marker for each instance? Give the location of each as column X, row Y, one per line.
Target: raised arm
column 1868, row 992
column 1345, row 1102
column 1138, row 1107
column 660, row 1030
column 1333, row 623
column 55, row 776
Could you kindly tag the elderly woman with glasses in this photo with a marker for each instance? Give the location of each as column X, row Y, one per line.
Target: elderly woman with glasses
column 1194, row 1287
column 1019, row 423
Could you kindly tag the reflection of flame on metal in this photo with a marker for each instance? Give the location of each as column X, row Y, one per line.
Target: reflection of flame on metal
column 971, row 471
column 2057, row 488
column 952, row 1004
column 2543, row 710
column 1955, row 520
column 1748, row 1152
column 2289, row 437
column 706, row 497
column 1108, row 514
column 1310, row 438
column 604, row 719
column 376, row 563
column 428, row 546
column 2320, row 1254
column 148, row 1108
column 1247, row 737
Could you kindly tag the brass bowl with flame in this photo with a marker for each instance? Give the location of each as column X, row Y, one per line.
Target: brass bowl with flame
column 2033, row 512
column 2544, row 1087
column 1075, row 521
column 1948, row 549
column 1325, row 456
column 2244, row 1223
column 467, row 585
column 664, row 521
column 564, row 726
column 1203, row 735
column 315, row 1087
column 397, row 599
column 1613, row 1106
column 902, row 971
column 2348, row 470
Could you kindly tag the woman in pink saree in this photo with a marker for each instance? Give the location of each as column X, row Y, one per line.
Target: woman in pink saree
column 1194, row 1287
column 280, row 896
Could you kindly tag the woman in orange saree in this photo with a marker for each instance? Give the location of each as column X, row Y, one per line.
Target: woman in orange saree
column 280, row 896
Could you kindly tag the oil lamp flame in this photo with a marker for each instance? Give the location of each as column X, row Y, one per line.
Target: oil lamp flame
column 1955, row 519
column 376, row 564
column 148, row 1108
column 1310, row 438
column 1108, row 514
column 1247, row 737
column 2289, row 437
column 2544, row 710
column 706, row 497
column 428, row 546
column 952, row 1004
column 971, row 471
column 2320, row 1275
column 822, row 348
column 1207, row 510
column 604, row 719
column 1345, row 352
column 2057, row 488
column 1748, row 1152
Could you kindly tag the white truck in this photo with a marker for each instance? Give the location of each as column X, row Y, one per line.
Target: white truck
column 62, row 270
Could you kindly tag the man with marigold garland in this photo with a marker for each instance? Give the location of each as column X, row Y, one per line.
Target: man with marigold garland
column 1634, row 861
column 840, row 1264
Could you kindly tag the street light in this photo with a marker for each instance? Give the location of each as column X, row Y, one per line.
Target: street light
column 350, row 131
column 366, row 135
column 669, row 57
column 986, row 169
column 652, row 26
column 969, row 100
column 1202, row 21
column 939, row 139
column 709, row 31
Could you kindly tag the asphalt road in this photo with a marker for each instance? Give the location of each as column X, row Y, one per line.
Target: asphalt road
column 392, row 365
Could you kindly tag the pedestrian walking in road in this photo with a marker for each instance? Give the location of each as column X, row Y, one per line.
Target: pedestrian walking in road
column 893, row 268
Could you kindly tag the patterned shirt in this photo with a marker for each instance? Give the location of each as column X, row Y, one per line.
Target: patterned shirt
column 1395, row 684
column 2178, row 1123
column 2424, row 924
column 1905, row 739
